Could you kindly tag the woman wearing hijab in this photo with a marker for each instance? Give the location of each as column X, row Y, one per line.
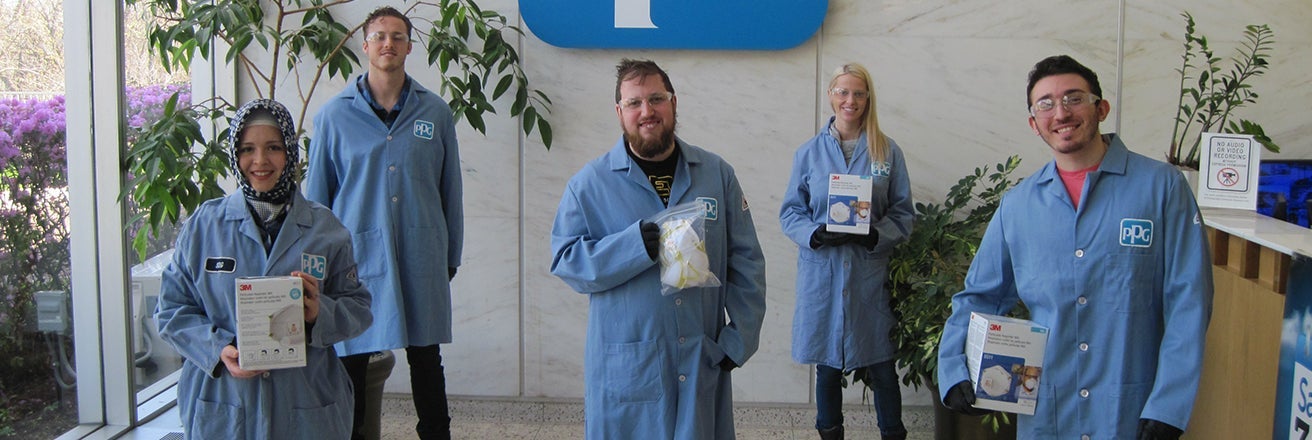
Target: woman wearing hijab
column 266, row 229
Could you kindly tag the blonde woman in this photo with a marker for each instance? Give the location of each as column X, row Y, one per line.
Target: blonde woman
column 842, row 320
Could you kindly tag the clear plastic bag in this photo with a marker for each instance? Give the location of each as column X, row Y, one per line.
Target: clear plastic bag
column 682, row 253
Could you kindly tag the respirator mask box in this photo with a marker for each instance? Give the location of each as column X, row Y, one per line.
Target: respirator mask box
column 1005, row 359
column 270, row 323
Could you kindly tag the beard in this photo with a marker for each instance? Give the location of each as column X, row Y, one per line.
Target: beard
column 648, row 148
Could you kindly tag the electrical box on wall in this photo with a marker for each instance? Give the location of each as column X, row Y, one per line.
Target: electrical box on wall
column 52, row 314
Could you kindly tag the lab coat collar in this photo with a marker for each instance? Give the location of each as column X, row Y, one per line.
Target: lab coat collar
column 1114, row 161
column 299, row 219
column 618, row 160
column 360, row 102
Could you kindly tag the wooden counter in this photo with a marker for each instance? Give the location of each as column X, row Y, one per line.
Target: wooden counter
column 1251, row 256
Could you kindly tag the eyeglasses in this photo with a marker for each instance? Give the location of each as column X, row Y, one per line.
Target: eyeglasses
column 1043, row 108
column 844, row 93
column 655, row 100
column 378, row 37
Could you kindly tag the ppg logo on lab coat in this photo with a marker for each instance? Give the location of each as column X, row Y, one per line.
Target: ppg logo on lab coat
column 315, row 265
column 674, row 24
column 712, row 207
column 423, row 129
column 1136, row 232
column 880, row 169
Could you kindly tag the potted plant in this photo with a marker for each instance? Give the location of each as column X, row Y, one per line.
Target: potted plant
column 174, row 165
column 1211, row 90
column 930, row 267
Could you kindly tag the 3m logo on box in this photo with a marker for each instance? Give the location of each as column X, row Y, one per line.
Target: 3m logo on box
column 995, row 327
column 1136, row 232
column 244, row 287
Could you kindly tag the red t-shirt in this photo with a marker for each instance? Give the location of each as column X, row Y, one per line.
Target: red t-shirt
column 1074, row 182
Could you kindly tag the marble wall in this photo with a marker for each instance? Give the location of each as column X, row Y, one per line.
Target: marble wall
column 950, row 79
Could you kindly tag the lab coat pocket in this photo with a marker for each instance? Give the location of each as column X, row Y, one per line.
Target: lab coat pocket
column 1130, row 279
column 217, row 420
column 366, row 244
column 815, row 296
column 421, row 258
column 1045, row 409
column 1128, row 403
column 633, row 372
column 324, row 422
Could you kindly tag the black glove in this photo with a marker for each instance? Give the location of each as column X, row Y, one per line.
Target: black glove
column 822, row 237
column 450, row 273
column 869, row 240
column 1150, row 429
column 651, row 237
column 961, row 399
column 727, row 364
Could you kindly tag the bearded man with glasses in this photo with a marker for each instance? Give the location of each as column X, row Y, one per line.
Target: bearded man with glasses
column 1108, row 250
column 657, row 366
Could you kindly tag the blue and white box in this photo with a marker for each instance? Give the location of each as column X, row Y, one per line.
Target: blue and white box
column 1005, row 359
column 270, row 323
column 849, row 204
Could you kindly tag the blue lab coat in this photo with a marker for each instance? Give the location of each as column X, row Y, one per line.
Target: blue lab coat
column 398, row 191
column 1124, row 284
column 652, row 363
column 842, row 318
column 197, row 313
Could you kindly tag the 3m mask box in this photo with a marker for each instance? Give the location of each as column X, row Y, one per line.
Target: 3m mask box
column 1005, row 358
column 849, row 204
column 270, row 323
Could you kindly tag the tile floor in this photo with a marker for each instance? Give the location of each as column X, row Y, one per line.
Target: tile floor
column 524, row 419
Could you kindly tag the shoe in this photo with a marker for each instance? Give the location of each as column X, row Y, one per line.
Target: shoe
column 835, row 433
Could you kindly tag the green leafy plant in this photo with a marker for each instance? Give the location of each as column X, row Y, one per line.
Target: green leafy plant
column 271, row 41
column 931, row 266
column 1216, row 91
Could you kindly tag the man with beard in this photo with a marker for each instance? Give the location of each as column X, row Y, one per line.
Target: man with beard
column 1107, row 249
column 658, row 366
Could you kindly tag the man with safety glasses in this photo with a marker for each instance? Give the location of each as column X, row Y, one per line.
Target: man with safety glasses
column 1107, row 249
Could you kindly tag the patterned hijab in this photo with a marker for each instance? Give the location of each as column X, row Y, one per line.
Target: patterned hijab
column 259, row 111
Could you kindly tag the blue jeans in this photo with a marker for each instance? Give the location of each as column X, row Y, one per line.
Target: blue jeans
column 883, row 384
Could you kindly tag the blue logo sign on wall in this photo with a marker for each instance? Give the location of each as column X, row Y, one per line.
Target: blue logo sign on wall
column 674, row 24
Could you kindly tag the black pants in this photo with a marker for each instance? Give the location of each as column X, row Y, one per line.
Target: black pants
column 427, row 383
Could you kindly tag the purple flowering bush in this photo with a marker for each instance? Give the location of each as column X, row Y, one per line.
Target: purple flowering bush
column 34, row 219
column 33, row 208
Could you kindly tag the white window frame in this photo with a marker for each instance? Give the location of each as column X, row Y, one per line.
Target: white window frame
column 94, row 100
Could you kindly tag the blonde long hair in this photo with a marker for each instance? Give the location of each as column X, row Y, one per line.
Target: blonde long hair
column 875, row 141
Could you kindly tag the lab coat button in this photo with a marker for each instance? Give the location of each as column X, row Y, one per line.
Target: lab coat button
column 682, row 339
column 1084, row 437
column 389, row 137
column 265, row 375
column 1084, row 346
column 394, row 199
column 1079, row 253
column 1084, row 392
column 683, row 378
column 678, row 301
column 391, row 168
column 1082, row 300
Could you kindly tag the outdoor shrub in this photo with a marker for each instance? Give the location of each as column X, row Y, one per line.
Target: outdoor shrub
column 34, row 214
